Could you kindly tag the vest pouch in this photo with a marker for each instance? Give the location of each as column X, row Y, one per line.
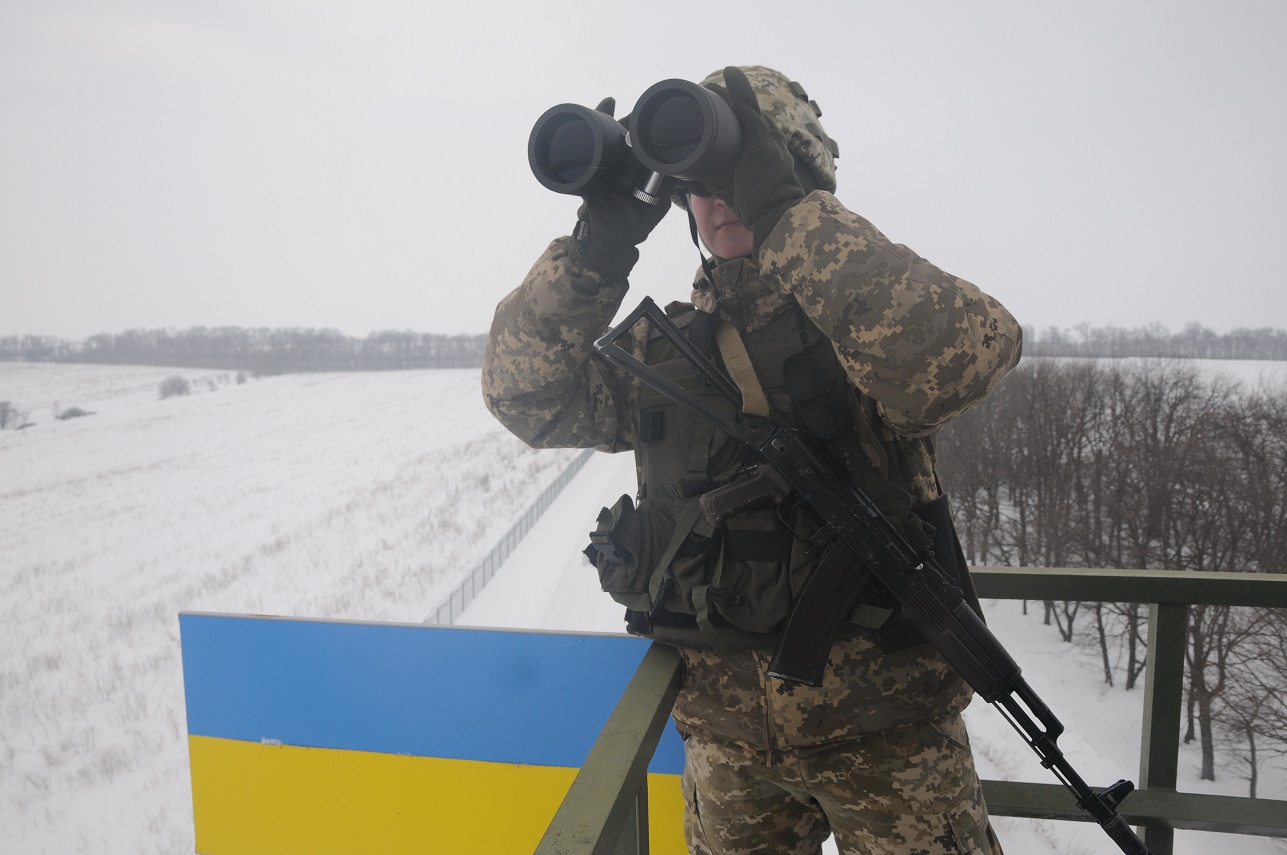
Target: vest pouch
column 621, row 551
column 690, row 556
column 686, row 574
column 750, row 587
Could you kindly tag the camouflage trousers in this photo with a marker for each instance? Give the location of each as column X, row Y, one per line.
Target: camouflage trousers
column 908, row 790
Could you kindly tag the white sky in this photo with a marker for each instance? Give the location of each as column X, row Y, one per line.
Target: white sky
column 361, row 164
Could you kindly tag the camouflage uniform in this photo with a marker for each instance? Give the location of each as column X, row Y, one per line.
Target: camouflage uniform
column 908, row 789
column 877, row 753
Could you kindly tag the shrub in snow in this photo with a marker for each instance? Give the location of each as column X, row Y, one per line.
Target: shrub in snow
column 10, row 415
column 176, row 385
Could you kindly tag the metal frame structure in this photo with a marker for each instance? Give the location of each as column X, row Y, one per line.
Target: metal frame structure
column 605, row 811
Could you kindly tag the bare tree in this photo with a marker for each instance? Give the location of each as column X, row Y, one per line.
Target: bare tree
column 1253, row 717
column 1152, row 465
column 974, row 464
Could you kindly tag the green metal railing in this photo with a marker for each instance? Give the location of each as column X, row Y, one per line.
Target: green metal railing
column 606, row 809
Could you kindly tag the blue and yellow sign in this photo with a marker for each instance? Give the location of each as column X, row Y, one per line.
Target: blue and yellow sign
column 330, row 736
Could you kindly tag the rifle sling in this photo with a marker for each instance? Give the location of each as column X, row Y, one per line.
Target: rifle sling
column 738, row 362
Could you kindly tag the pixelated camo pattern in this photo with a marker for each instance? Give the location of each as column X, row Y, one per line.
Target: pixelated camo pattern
column 538, row 378
column 786, row 104
column 911, row 790
column 925, row 344
column 732, row 698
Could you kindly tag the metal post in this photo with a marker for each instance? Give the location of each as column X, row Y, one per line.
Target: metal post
column 1168, row 627
column 609, row 794
column 634, row 839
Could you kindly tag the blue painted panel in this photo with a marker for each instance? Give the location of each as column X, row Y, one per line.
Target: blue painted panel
column 492, row 695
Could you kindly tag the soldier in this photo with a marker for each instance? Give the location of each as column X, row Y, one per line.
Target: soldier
column 878, row 753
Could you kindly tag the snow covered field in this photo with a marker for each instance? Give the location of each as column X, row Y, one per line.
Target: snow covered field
column 362, row 496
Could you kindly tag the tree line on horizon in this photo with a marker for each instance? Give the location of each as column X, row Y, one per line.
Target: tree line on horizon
column 1155, row 340
column 282, row 350
column 1153, row 465
column 259, row 350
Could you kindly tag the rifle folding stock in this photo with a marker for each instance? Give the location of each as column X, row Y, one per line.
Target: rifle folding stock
column 867, row 550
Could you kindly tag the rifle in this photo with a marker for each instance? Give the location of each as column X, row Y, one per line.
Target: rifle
column 929, row 599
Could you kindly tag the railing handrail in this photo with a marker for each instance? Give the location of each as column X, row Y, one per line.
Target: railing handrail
column 605, row 811
column 1163, row 587
column 606, row 808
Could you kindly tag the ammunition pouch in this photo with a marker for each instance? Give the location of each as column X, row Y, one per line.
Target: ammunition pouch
column 620, row 551
column 735, row 586
column 689, row 583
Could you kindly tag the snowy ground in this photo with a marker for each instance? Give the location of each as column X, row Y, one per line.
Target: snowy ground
column 363, row 496
column 1253, row 374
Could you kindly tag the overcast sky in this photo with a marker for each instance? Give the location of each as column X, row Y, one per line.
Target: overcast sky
column 361, row 165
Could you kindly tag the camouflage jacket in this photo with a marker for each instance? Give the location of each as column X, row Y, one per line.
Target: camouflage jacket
column 925, row 346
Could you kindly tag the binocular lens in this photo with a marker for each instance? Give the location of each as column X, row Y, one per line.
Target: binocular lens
column 569, row 150
column 573, row 149
column 678, row 130
column 672, row 130
column 685, row 131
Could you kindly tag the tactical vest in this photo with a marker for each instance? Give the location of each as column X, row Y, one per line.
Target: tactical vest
column 687, row 582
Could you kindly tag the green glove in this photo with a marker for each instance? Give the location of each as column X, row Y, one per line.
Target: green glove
column 763, row 184
column 610, row 225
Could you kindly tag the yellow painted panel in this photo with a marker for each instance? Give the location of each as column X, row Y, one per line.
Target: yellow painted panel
column 269, row 799
column 276, row 799
column 665, row 815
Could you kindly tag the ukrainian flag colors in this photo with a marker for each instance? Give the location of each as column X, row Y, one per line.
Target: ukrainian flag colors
column 329, row 736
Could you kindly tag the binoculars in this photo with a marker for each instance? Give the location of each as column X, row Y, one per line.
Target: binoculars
column 679, row 131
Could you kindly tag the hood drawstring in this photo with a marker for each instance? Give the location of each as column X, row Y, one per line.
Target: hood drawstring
column 708, row 269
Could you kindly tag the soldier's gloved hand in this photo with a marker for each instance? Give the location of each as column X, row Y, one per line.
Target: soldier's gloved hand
column 611, row 225
column 763, row 184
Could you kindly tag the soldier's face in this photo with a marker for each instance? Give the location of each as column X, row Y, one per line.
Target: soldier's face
column 720, row 229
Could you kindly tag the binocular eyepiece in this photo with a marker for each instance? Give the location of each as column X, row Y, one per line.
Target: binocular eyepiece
column 678, row 130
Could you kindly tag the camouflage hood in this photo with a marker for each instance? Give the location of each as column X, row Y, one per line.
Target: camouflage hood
column 787, row 105
column 737, row 292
